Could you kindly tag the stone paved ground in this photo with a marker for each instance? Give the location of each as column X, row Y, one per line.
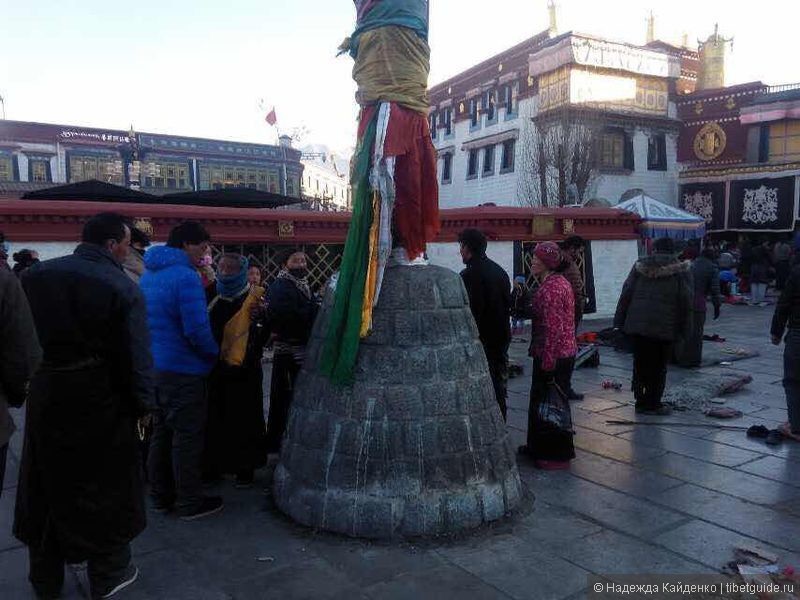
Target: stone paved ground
column 638, row 500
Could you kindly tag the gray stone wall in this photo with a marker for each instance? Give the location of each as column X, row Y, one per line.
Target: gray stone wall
column 416, row 446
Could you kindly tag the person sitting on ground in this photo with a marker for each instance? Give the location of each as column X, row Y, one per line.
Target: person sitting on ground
column 236, row 433
column 553, row 349
column 654, row 309
column 787, row 320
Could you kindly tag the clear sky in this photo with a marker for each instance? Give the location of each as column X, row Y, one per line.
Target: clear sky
column 199, row 67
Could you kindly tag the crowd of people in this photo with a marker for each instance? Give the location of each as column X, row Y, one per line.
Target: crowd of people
column 131, row 355
column 120, row 343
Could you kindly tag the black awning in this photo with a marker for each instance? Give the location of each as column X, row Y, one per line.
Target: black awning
column 93, row 191
column 98, row 191
column 238, row 197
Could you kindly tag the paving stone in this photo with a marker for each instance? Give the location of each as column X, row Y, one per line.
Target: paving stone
column 547, row 523
column 310, row 579
column 512, row 565
column 760, row 522
column 779, row 415
column 739, row 439
column 7, row 501
column 12, row 474
column 613, row 446
column 14, row 584
column 785, row 470
column 713, row 545
column 609, row 508
column 700, row 449
column 446, row 581
column 593, row 403
column 723, row 479
column 169, row 574
column 620, row 476
column 609, row 552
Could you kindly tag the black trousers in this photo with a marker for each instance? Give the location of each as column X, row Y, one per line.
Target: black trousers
column 498, row 371
column 689, row 353
column 650, row 359
column 285, row 369
column 176, row 446
column 791, row 378
column 46, row 572
column 546, row 441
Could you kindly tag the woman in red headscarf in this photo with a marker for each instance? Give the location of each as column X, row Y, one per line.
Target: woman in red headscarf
column 553, row 349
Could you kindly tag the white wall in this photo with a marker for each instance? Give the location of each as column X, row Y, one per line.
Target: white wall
column 661, row 185
column 46, row 250
column 611, row 262
column 448, row 255
column 497, row 188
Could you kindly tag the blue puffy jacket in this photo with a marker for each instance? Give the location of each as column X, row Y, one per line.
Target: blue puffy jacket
column 182, row 341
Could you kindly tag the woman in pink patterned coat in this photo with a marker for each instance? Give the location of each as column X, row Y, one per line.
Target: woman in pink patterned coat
column 553, row 349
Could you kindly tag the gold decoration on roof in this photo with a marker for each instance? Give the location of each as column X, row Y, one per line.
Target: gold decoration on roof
column 710, row 142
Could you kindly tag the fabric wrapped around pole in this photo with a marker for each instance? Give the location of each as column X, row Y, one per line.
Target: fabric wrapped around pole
column 392, row 66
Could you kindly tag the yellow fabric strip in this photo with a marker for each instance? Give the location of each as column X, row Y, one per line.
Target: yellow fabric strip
column 237, row 331
column 392, row 66
column 371, row 283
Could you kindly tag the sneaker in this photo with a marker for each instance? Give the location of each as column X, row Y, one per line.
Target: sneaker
column 131, row 573
column 662, row 410
column 208, row 506
column 574, row 396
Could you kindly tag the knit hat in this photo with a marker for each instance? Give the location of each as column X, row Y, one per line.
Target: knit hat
column 549, row 254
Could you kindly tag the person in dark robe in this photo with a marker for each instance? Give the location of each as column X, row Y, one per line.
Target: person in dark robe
column 489, row 291
column 705, row 279
column 291, row 310
column 80, row 495
column 236, row 433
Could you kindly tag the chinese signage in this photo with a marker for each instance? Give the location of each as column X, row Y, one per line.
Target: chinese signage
column 91, row 136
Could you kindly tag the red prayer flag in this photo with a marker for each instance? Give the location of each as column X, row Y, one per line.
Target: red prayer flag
column 272, row 118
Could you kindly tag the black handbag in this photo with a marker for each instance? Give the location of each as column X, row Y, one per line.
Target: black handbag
column 553, row 410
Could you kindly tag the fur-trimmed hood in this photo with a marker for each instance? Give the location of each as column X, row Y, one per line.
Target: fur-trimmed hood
column 659, row 266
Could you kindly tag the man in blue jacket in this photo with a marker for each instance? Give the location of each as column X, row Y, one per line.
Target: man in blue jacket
column 184, row 352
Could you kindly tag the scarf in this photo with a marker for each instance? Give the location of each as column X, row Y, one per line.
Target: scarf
column 301, row 284
column 231, row 286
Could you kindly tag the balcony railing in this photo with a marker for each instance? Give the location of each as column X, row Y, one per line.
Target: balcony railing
column 777, row 89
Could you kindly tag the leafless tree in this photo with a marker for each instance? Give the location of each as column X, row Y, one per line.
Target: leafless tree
column 559, row 158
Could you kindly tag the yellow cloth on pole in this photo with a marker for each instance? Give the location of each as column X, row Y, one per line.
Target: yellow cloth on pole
column 371, row 283
column 392, row 66
column 237, row 331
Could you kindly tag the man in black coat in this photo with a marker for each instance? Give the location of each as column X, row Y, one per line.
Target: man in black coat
column 80, row 495
column 489, row 291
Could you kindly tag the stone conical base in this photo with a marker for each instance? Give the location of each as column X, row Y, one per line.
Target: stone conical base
column 417, row 446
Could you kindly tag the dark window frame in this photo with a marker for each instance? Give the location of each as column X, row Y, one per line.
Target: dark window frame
column 657, row 152
column 487, row 169
column 472, row 163
column 447, row 168
column 508, row 157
